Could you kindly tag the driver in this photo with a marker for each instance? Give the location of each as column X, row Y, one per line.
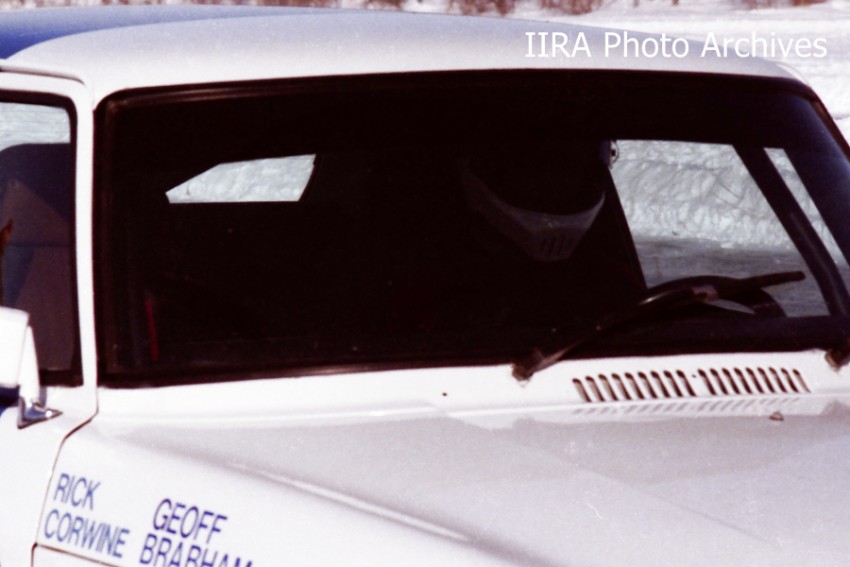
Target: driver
column 541, row 197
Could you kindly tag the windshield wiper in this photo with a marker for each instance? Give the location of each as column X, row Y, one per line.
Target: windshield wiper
column 668, row 296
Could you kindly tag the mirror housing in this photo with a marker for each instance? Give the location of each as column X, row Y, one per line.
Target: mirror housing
column 14, row 329
column 19, row 367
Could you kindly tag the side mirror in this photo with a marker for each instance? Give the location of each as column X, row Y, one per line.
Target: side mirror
column 19, row 367
column 14, row 327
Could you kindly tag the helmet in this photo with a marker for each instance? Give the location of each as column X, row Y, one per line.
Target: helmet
column 543, row 198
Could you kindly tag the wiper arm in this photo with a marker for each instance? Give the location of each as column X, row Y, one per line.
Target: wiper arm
column 668, row 296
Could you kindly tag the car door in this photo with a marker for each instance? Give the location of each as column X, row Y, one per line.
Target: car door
column 45, row 194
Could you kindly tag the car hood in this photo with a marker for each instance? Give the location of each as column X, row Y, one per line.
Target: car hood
column 695, row 491
column 663, row 485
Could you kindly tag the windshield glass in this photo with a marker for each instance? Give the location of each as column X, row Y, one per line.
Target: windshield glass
column 458, row 219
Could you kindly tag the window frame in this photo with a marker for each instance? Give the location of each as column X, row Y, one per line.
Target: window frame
column 105, row 308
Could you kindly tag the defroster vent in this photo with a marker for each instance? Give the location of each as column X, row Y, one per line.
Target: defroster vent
column 702, row 383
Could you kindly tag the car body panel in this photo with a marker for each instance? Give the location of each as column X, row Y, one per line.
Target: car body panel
column 711, row 459
column 30, row 453
column 540, row 482
column 294, row 43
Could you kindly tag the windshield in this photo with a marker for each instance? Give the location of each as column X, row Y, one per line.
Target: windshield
column 459, row 218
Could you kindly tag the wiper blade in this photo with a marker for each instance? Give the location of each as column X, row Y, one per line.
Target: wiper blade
column 668, row 296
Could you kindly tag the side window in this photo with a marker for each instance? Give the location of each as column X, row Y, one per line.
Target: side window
column 36, row 187
column 694, row 209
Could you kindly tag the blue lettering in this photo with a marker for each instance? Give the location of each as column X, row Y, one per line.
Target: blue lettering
column 176, row 556
column 202, row 524
column 75, row 499
column 211, row 562
column 90, row 534
column 215, row 528
column 79, row 491
column 193, row 556
column 119, row 541
column 159, row 520
column 61, row 487
column 175, row 516
column 162, row 551
column 62, row 533
column 91, row 486
column 53, row 514
column 86, row 533
column 109, row 538
column 105, row 531
column 76, row 527
column 147, row 549
column 184, row 520
column 184, row 533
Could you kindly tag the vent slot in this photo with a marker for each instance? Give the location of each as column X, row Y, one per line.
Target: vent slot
column 676, row 384
column 627, row 387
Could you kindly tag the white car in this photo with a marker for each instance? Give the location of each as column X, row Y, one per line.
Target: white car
column 308, row 287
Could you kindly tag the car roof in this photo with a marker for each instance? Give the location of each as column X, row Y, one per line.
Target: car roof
column 114, row 48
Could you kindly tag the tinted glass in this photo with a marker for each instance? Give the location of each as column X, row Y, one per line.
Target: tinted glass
column 426, row 221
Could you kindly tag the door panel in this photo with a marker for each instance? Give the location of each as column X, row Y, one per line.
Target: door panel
column 46, row 270
column 46, row 556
